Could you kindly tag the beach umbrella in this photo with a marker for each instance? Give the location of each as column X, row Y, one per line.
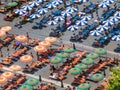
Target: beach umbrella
column 21, row 38
column 27, row 8
column 51, row 6
column 7, row 75
column 116, row 38
column 51, row 39
column 97, row 77
column 57, row 2
column 20, row 11
column 87, row 61
column 102, row 28
column 100, row 51
column 26, row 58
column 52, row 22
column 72, row 28
column 45, row 43
column 58, row 18
column 25, row 87
column 33, row 4
column 12, row 4
column 81, row 66
column 109, row 1
column 103, row 5
column 35, row 16
column 84, row 86
column 117, row 13
column 65, row 14
column 15, row 67
column 68, row 50
column 6, row 28
column 82, row 1
column 2, row 33
column 32, row 82
column 115, row 18
column 42, row 11
column 62, row 54
column 39, row 49
column 71, row 9
column 3, row 80
column 56, row 60
column 75, row 71
column 92, row 55
column 95, row 33
column 108, row 23
column 81, row 22
column 86, row 18
column 39, row 1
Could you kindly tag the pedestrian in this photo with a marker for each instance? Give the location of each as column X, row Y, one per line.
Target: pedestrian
column 74, row 47
column 40, row 79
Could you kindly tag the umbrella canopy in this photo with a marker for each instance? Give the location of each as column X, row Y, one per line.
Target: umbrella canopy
column 51, row 6
column 66, row 14
column 7, row 75
column 86, row 18
column 72, row 28
column 97, row 77
column 108, row 23
column 56, row 60
column 3, row 80
column 75, row 71
column 69, row 50
column 15, row 67
column 109, row 1
column 102, row 28
column 42, row 11
column 39, row 1
column 26, row 8
column 103, row 4
column 100, row 51
column 92, row 55
column 2, row 33
column 21, row 38
column 12, row 4
column 32, row 81
column 82, row 1
column 52, row 22
column 6, row 28
column 51, row 39
column 33, row 4
column 26, row 58
column 20, row 11
column 84, row 86
column 115, row 18
column 87, row 61
column 81, row 66
column 57, row 2
column 81, row 22
column 62, row 54
column 34, row 16
column 25, row 87
column 71, row 9
column 116, row 38
column 39, row 49
column 95, row 33
column 45, row 43
column 58, row 18
column 117, row 13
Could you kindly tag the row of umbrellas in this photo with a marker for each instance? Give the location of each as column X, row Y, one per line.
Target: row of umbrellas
column 106, row 3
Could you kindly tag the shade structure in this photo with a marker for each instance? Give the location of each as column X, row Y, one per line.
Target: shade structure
column 81, row 66
column 51, row 39
column 69, row 50
column 102, row 28
column 25, row 87
column 35, row 16
column 97, row 77
column 75, row 71
column 86, row 18
column 103, row 5
column 57, row 2
column 87, row 61
column 32, row 81
column 15, row 67
column 81, row 22
column 84, row 86
column 52, row 22
column 51, row 6
column 110, row 1
column 62, row 54
column 95, row 33
column 2, row 33
column 116, row 38
column 58, row 18
column 39, row 49
column 12, row 4
column 6, row 28
column 71, row 9
column 45, row 43
column 26, row 58
column 100, row 51
column 56, row 60
column 7, row 75
column 3, row 80
column 20, row 11
column 39, row 1
column 108, row 23
column 27, row 7
column 115, row 18
column 33, row 4
column 66, row 14
column 117, row 13
column 92, row 55
column 72, row 28
column 82, row 1
column 42, row 11
column 21, row 38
